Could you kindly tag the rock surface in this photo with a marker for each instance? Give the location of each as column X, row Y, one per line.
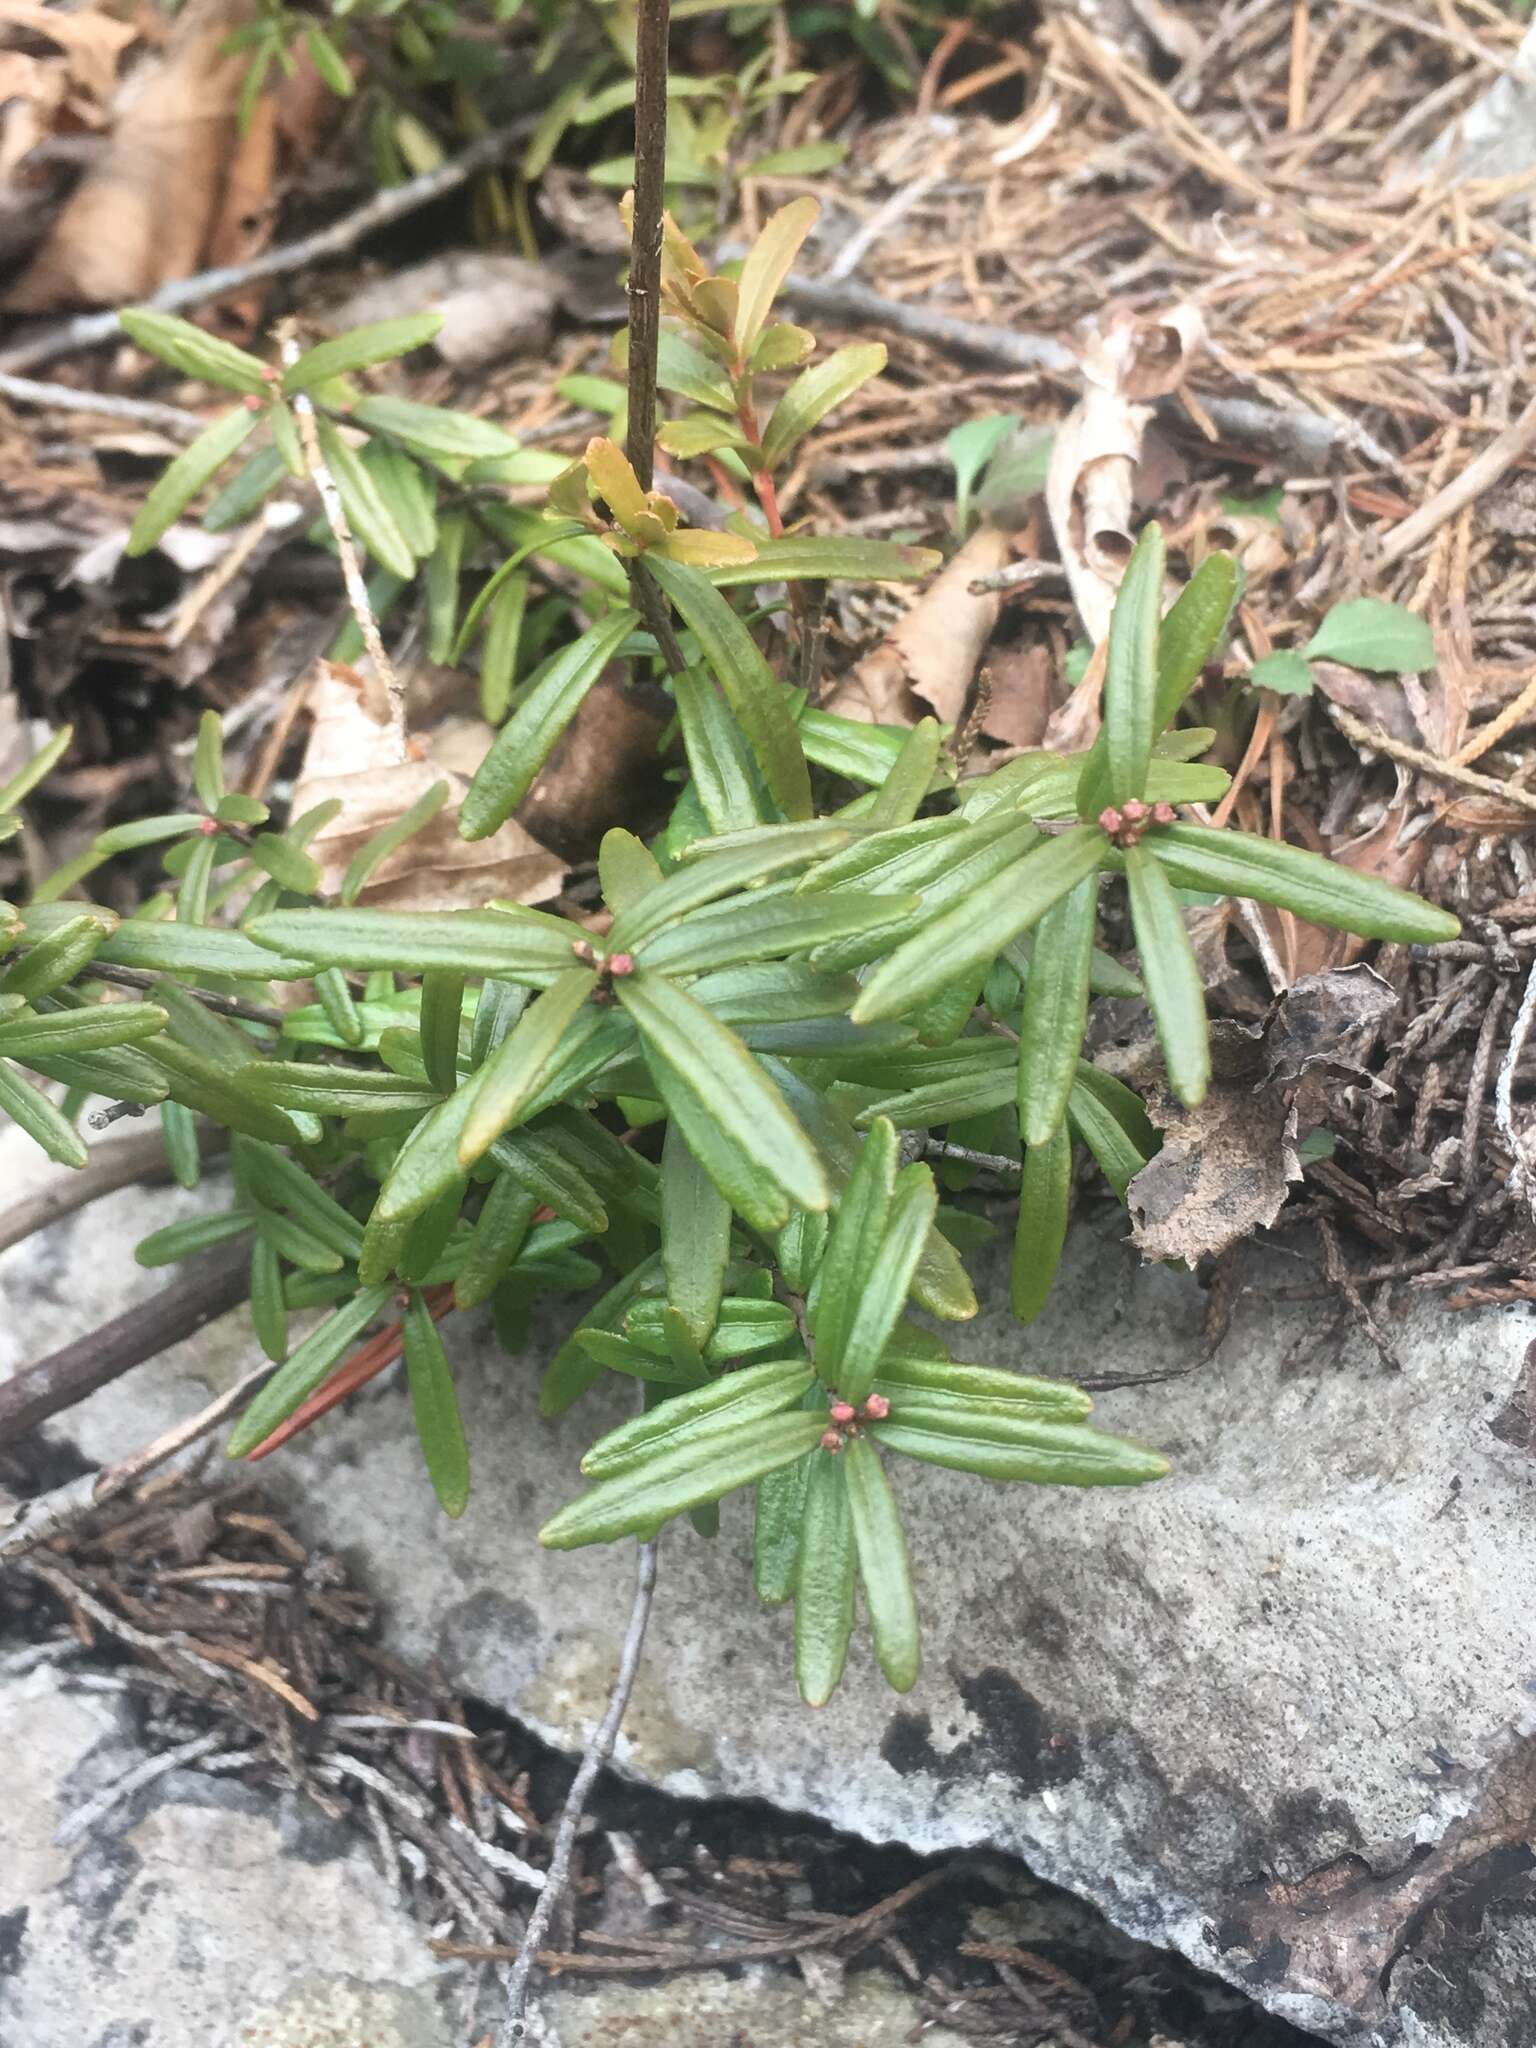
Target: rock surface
column 1276, row 1712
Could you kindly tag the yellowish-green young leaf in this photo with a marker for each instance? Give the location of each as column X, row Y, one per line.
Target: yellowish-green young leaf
column 1055, row 1011
column 751, row 689
column 1171, row 975
column 194, row 351
column 173, row 492
column 26, row 778
column 782, row 347
column 380, row 342
column 44, row 1125
column 309, row 1365
column 687, row 1419
column 695, row 1236
column 285, row 438
column 832, row 557
column 1130, row 673
column 971, row 934
column 435, row 1407
column 703, row 549
column 520, row 1065
column 529, row 737
column 1045, row 1198
column 768, row 262
column 1327, row 892
column 815, row 392
column 948, row 1430
column 824, row 1578
column 700, row 434
column 626, row 869
column 729, row 1088
column 776, row 1530
column 884, row 1570
column 615, row 481
column 805, row 160
column 371, row 518
column 674, row 1481
column 329, row 62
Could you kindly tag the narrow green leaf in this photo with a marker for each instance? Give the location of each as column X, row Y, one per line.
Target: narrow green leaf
column 746, row 1329
column 521, row 1064
column 1310, row 884
column 74, row 1031
column 434, row 430
column 1045, row 1198
column 178, row 1131
column 375, row 851
column 56, row 958
column 687, row 1420
column 884, row 1569
column 194, row 351
column 1130, row 674
column 767, row 927
column 283, row 1183
column 269, row 1310
column 295, row 1244
column 751, row 689
column 1110, row 1120
column 304, row 1371
column 695, row 1236
column 982, row 1385
column 173, row 492
column 518, row 946
column 1055, row 1011
column 527, row 740
column 435, row 1407
column 727, row 1085
column 379, row 342
column 373, row 524
column 1191, row 634
column 442, row 1007
column 715, row 867
column 830, row 557
column 442, row 584
column 1171, row 974
column 192, row 951
column 183, row 1240
column 815, row 392
column 971, row 934
column 500, row 1232
column 36, row 1115
column 208, row 1088
column 674, row 1481
column 288, row 866
column 325, row 1090
column 888, row 1281
column 497, row 1009
column 25, row 780
column 900, row 796
column 776, row 1532
column 341, row 1011
column 995, row 1446
column 498, row 657
column 853, row 1244
column 719, row 759
column 208, row 760
column 824, row 1578
column 626, row 869
column 753, row 1197
column 543, row 1169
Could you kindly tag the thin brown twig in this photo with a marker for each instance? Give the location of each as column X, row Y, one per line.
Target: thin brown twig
column 143, row 412
column 1430, row 764
column 120, row 1163
column 595, row 1755
column 1480, row 475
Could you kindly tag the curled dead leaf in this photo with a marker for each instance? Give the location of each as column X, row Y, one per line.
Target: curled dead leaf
column 929, row 662
column 351, row 758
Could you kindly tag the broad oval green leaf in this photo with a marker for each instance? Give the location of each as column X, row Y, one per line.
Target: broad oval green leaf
column 1370, row 633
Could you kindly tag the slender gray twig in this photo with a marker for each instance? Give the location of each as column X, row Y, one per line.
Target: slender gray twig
column 143, row 412
column 210, row 999
column 92, row 330
column 595, row 1755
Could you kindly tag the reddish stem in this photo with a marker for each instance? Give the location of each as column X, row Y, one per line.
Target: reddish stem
column 365, row 1364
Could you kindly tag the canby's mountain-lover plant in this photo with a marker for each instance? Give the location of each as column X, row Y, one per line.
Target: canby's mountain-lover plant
column 724, row 1084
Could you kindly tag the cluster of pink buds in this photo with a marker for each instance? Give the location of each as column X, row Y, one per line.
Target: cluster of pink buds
column 611, row 968
column 846, row 1420
column 1126, row 825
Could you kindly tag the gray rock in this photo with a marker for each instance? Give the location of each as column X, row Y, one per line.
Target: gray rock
column 492, row 305
column 1275, row 1712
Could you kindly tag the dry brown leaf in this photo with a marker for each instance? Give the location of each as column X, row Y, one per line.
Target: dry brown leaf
column 92, row 42
column 1225, row 1167
column 929, row 662
column 1090, row 491
column 599, row 774
column 1023, row 696
column 1379, row 700
column 142, row 214
column 350, row 757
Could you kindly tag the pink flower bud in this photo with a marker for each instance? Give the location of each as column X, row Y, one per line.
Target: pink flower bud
column 1163, row 814
column 842, row 1413
column 252, row 403
column 582, row 948
column 832, row 1440
column 208, row 827
column 1133, row 810
column 1109, row 820
column 876, row 1408
column 620, row 964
